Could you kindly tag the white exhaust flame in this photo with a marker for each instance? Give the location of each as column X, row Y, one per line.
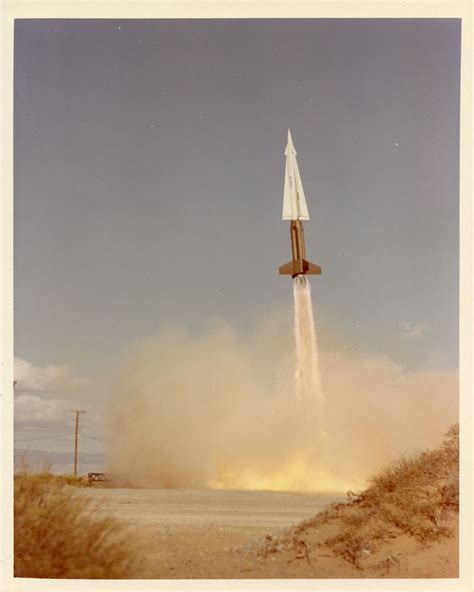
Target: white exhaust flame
column 309, row 392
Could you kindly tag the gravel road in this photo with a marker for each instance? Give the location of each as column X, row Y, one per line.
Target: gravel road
column 177, row 508
column 190, row 533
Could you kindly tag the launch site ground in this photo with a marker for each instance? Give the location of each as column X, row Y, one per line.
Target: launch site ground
column 219, row 534
column 192, row 533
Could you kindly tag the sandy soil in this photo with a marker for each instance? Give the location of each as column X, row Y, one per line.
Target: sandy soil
column 228, row 534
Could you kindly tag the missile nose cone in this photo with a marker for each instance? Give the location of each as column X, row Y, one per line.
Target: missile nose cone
column 290, row 149
column 294, row 202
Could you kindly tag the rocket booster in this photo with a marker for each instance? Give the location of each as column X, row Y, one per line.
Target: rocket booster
column 295, row 209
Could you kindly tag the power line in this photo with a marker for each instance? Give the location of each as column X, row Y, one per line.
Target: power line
column 61, row 435
column 91, row 437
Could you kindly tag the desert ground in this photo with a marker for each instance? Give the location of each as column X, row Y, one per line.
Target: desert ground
column 202, row 533
column 243, row 534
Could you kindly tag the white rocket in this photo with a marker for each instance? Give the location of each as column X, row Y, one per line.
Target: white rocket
column 295, row 209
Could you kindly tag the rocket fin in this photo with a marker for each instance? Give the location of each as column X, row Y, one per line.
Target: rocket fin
column 301, row 205
column 289, row 212
column 287, row 269
column 311, row 268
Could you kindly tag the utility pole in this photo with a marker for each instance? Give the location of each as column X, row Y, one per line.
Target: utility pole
column 77, row 412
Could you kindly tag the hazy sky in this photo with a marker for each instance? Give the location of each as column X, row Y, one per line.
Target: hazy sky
column 149, row 174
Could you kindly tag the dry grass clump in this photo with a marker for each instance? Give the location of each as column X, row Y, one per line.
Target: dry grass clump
column 417, row 497
column 47, row 478
column 57, row 535
column 413, row 496
column 426, row 468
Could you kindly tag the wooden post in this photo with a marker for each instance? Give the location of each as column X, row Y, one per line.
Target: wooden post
column 77, row 412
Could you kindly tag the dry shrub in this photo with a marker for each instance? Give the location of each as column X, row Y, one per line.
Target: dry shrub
column 357, row 541
column 413, row 496
column 416, row 494
column 57, row 535
column 46, row 478
column 44, row 473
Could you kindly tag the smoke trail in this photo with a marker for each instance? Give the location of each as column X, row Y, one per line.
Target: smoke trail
column 307, row 376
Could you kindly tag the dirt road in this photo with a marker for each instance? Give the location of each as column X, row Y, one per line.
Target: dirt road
column 191, row 533
column 206, row 534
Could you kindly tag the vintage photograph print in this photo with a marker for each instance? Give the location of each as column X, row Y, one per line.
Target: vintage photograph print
column 236, row 287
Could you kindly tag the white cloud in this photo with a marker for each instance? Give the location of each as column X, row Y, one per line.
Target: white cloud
column 412, row 331
column 38, row 403
column 45, row 378
column 35, row 411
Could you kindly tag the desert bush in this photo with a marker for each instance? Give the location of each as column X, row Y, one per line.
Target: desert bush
column 417, row 497
column 44, row 473
column 413, row 496
column 50, row 479
column 57, row 535
column 354, row 542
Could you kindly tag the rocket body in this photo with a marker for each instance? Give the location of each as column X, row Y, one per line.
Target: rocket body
column 295, row 209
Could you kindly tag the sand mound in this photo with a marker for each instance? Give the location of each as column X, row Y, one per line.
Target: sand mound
column 404, row 525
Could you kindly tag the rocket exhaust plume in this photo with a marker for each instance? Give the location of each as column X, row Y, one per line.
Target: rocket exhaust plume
column 307, row 375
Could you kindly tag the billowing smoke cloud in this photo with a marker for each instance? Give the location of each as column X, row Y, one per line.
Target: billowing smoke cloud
column 219, row 410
